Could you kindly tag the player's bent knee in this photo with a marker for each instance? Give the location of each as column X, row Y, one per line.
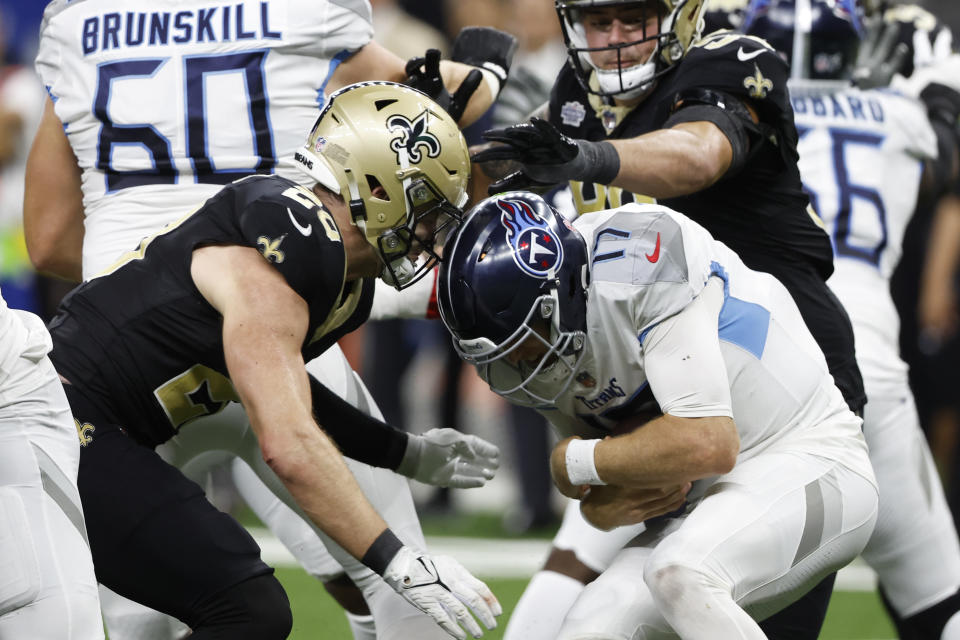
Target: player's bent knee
column 255, row 609
column 20, row 580
column 347, row 594
column 565, row 562
column 672, row 583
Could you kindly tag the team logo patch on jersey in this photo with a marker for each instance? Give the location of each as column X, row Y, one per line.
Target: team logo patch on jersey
column 758, row 85
column 414, row 136
column 271, row 248
column 536, row 249
column 83, row 432
column 572, row 113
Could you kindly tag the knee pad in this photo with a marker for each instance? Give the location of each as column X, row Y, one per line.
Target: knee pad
column 255, row 609
column 20, row 579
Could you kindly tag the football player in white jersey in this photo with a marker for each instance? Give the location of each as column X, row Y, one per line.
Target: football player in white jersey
column 47, row 587
column 164, row 103
column 640, row 303
column 866, row 157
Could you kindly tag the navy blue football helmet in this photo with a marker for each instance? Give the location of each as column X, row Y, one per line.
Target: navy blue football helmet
column 513, row 270
column 827, row 41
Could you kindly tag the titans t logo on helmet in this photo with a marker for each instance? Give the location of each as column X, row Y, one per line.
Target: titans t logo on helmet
column 535, row 247
column 413, row 135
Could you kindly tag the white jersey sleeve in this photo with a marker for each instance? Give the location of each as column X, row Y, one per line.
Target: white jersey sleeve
column 650, row 257
column 683, row 361
column 22, row 335
column 165, row 101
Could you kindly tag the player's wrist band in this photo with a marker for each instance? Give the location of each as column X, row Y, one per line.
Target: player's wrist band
column 581, row 468
column 382, row 551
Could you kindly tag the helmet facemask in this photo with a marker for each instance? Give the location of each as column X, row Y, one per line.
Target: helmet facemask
column 672, row 25
column 535, row 383
column 409, row 252
column 400, row 163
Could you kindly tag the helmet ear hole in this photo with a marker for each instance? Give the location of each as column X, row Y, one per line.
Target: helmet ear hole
column 376, row 189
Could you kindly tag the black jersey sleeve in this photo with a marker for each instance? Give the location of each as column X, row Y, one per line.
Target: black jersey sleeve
column 296, row 235
column 738, row 65
column 721, row 75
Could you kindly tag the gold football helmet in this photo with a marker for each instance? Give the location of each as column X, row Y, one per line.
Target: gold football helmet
column 679, row 25
column 401, row 164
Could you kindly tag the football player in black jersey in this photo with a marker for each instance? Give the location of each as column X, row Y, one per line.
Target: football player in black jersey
column 226, row 306
column 645, row 108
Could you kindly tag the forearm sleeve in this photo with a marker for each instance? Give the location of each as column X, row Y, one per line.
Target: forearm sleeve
column 358, row 435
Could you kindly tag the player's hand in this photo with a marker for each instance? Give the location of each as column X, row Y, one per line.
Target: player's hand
column 449, row 458
column 423, row 73
column 440, row 587
column 609, row 506
column 547, row 157
column 880, row 56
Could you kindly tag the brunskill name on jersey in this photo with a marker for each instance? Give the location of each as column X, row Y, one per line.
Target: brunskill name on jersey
column 227, row 23
column 165, row 101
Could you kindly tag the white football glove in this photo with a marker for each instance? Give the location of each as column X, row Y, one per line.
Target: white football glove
column 449, row 458
column 440, row 587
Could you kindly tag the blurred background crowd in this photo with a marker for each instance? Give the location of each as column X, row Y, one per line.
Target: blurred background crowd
column 409, row 365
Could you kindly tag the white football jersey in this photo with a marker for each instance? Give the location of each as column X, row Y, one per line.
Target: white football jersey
column 22, row 334
column 861, row 159
column 151, row 102
column 648, row 264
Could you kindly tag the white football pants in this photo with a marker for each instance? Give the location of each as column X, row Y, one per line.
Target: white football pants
column 47, row 586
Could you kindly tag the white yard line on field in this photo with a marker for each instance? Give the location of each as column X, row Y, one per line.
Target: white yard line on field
column 499, row 558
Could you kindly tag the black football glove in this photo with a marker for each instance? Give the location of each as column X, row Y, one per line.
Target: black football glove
column 547, row 157
column 423, row 73
column 487, row 48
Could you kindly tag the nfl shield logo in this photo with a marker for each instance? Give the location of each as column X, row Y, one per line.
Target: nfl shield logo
column 572, row 114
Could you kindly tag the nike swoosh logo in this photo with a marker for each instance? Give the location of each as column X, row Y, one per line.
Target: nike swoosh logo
column 743, row 56
column 305, row 230
column 653, row 257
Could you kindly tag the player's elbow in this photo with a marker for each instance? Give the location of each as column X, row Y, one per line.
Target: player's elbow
column 48, row 259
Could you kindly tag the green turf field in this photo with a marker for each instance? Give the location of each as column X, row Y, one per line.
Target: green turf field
column 852, row 615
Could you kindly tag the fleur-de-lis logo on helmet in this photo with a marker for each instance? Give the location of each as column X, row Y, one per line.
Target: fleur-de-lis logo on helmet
column 757, row 84
column 413, row 137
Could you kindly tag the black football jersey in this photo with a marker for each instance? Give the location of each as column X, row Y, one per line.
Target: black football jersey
column 760, row 211
column 143, row 344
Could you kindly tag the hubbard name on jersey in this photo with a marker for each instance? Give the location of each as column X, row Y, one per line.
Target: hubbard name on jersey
column 861, row 159
column 148, row 96
column 156, row 354
column 762, row 212
column 649, row 263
